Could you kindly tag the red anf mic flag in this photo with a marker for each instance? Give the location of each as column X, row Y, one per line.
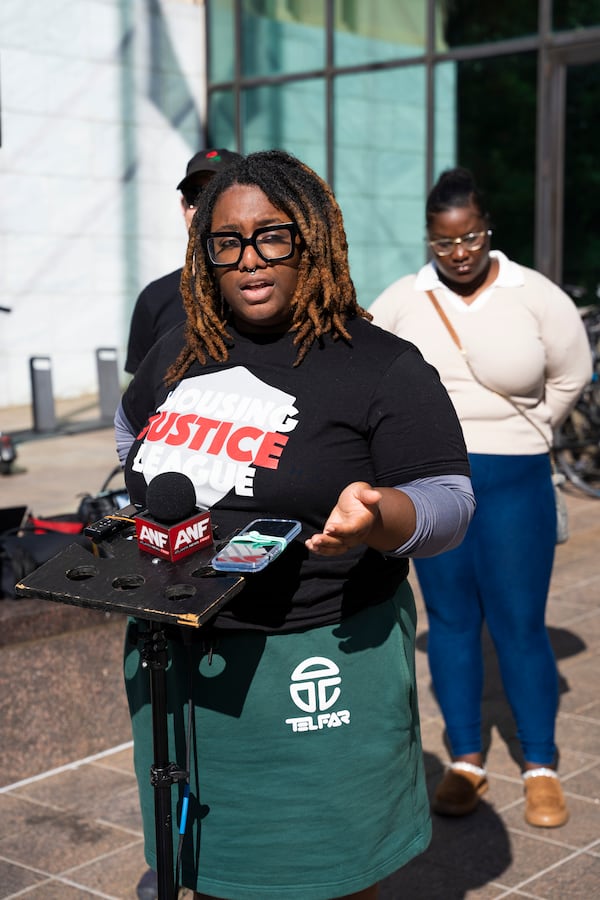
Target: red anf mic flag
column 171, row 526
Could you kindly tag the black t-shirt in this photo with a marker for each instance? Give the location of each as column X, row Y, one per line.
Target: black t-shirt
column 260, row 437
column 157, row 309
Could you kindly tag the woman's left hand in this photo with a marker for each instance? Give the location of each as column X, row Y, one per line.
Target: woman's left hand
column 349, row 522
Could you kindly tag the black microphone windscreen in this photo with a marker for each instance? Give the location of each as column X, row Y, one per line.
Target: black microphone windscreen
column 171, row 497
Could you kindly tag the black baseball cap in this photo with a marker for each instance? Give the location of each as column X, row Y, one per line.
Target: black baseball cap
column 212, row 160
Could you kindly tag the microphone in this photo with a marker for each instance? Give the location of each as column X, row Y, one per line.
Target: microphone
column 171, row 527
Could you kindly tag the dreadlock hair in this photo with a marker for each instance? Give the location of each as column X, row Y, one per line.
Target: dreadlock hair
column 455, row 188
column 324, row 298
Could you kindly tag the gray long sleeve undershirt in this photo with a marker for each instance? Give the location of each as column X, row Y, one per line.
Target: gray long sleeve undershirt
column 444, row 505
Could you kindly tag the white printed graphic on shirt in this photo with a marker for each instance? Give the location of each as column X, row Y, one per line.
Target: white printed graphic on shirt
column 315, row 688
column 218, row 429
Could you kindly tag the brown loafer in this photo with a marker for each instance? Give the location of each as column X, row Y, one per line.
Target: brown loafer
column 545, row 805
column 459, row 791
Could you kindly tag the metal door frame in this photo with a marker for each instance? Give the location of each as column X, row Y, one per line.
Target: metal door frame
column 554, row 59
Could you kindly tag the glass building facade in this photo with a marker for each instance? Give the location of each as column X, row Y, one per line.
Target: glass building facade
column 380, row 97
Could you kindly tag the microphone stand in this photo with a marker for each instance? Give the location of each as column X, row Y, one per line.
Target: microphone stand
column 132, row 582
column 163, row 774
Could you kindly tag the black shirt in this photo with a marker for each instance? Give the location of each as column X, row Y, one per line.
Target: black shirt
column 157, row 309
column 260, row 437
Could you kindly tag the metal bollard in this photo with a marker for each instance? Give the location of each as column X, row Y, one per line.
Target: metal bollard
column 109, row 389
column 44, row 416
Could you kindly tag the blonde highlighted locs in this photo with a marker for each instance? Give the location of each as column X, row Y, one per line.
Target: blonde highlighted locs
column 325, row 297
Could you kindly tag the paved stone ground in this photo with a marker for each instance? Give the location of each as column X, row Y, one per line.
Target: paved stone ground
column 69, row 820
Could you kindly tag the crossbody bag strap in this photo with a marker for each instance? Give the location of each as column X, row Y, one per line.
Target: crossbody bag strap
column 448, row 325
column 510, row 400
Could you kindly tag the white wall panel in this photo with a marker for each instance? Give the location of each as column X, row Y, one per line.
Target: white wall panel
column 101, row 107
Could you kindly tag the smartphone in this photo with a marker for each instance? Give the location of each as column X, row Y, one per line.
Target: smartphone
column 256, row 545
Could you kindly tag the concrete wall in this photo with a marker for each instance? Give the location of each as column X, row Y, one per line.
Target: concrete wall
column 101, row 107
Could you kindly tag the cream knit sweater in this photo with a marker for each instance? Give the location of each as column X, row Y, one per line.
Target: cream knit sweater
column 523, row 337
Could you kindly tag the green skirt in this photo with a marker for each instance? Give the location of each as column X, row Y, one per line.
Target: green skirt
column 306, row 770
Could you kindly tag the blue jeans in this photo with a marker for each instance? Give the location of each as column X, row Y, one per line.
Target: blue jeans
column 500, row 574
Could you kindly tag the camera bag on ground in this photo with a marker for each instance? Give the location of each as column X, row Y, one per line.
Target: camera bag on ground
column 28, row 541
column 21, row 553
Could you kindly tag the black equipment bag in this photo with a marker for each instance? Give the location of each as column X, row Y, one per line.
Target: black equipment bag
column 28, row 541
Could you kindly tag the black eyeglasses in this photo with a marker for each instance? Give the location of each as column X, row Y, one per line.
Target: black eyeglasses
column 271, row 242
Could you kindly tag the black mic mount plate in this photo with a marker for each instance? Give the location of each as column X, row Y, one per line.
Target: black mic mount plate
column 119, row 577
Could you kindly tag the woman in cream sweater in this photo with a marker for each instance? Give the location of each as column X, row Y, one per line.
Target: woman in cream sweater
column 513, row 354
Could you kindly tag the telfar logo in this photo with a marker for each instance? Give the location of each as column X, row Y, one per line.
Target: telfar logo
column 315, row 688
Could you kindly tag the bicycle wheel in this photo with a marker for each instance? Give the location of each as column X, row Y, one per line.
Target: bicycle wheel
column 577, row 451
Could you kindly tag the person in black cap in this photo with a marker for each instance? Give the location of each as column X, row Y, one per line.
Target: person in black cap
column 159, row 306
column 157, row 309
